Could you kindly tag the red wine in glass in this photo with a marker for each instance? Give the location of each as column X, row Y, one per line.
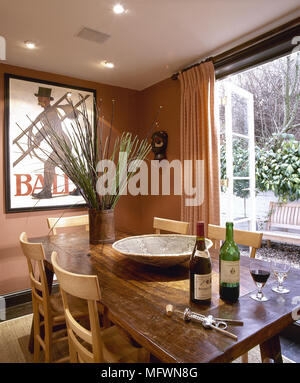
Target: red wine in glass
column 260, row 272
column 260, row 276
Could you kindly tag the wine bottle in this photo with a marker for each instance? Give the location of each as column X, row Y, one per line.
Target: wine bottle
column 200, row 270
column 229, row 268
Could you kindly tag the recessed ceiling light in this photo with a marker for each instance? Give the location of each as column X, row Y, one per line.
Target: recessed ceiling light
column 118, row 9
column 108, row 64
column 30, row 44
column 69, row 94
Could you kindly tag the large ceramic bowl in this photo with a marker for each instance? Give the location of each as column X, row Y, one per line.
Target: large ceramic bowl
column 162, row 250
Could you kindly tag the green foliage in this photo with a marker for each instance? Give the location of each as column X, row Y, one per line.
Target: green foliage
column 240, row 155
column 277, row 167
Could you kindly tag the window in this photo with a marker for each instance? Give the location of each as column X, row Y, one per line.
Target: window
column 258, row 113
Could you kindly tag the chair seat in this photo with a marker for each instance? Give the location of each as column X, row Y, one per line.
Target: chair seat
column 77, row 306
column 117, row 347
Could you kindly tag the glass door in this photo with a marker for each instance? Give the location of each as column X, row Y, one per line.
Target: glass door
column 235, row 115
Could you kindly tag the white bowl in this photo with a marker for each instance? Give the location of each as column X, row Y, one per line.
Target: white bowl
column 162, row 250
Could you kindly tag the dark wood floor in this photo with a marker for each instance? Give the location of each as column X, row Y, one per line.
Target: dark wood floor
column 289, row 338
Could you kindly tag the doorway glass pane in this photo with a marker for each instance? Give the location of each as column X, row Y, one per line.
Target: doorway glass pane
column 239, row 114
column 240, row 154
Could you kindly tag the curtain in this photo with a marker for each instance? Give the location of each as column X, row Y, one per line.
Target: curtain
column 199, row 141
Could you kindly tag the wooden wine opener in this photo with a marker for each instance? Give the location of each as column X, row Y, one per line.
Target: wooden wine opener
column 218, row 324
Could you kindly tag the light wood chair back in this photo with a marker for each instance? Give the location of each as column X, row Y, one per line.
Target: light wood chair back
column 80, row 220
column 170, row 225
column 35, row 256
column 241, row 237
column 85, row 287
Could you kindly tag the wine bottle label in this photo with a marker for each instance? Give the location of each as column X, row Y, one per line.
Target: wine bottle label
column 202, row 285
column 230, row 271
column 203, row 254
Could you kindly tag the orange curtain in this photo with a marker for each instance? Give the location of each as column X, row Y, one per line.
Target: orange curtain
column 199, row 141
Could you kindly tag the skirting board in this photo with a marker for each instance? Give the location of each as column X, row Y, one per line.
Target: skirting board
column 24, row 296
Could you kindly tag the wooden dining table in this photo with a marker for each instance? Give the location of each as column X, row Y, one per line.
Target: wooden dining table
column 135, row 298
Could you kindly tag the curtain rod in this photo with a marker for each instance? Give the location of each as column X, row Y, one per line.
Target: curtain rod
column 175, row 75
column 242, row 47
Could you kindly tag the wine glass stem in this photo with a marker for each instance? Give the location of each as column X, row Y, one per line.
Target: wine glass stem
column 259, row 294
column 279, row 285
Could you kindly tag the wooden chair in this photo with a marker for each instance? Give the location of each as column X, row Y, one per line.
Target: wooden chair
column 80, row 220
column 47, row 309
column 170, row 225
column 94, row 345
column 241, row 237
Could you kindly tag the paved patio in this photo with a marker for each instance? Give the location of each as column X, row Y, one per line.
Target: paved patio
column 277, row 250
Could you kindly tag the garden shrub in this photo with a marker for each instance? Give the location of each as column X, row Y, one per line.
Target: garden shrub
column 277, row 167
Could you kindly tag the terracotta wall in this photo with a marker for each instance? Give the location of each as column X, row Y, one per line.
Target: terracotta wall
column 167, row 94
column 12, row 266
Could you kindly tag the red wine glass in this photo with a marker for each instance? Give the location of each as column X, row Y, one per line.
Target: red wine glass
column 260, row 272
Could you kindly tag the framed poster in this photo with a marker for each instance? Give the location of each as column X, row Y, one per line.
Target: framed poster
column 32, row 180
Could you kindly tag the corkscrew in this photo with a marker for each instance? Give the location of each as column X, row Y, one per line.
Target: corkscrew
column 218, row 324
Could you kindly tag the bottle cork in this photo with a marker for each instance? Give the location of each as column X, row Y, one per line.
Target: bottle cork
column 169, row 310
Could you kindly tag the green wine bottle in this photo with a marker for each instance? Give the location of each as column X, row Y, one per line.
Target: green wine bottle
column 229, row 268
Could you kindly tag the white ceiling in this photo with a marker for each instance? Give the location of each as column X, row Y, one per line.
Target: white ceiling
column 151, row 41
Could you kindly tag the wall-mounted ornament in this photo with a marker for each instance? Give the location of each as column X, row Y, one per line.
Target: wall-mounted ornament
column 159, row 145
